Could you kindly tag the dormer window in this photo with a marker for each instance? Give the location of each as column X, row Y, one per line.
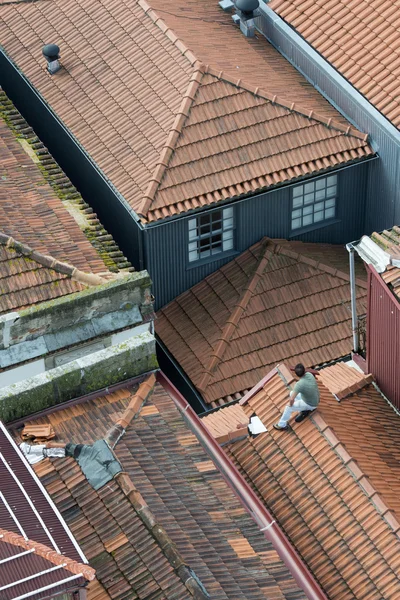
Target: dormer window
column 314, row 202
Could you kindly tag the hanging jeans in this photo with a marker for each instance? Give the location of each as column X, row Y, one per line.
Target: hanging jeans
column 298, row 406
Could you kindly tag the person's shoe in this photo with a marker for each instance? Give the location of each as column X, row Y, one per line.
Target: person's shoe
column 303, row 415
column 279, row 428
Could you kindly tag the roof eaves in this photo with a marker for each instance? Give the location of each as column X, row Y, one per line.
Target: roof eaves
column 51, row 555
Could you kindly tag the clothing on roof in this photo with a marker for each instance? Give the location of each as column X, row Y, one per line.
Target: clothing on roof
column 169, row 484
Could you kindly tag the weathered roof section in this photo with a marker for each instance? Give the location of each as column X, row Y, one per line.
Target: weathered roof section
column 36, row 548
column 271, row 303
column 169, row 488
column 360, row 39
column 322, row 498
column 162, row 108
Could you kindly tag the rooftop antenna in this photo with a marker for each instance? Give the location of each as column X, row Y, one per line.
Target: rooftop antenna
column 51, row 52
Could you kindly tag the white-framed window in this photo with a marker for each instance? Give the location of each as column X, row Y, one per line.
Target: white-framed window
column 211, row 233
column 314, row 202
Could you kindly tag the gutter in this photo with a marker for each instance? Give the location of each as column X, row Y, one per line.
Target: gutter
column 248, row 498
column 354, row 320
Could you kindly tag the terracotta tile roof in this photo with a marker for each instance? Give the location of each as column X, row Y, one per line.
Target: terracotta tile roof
column 271, row 303
column 32, row 531
column 27, row 184
column 342, row 380
column 227, row 424
column 185, row 111
column 28, row 277
column 169, row 482
column 359, row 38
column 320, row 492
column 389, row 240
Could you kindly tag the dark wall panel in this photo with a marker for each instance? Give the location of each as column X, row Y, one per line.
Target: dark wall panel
column 267, row 214
column 383, row 337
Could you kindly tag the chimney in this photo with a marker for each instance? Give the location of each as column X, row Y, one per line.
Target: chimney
column 246, row 10
column 51, row 52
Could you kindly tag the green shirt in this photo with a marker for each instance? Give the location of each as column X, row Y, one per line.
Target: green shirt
column 308, row 388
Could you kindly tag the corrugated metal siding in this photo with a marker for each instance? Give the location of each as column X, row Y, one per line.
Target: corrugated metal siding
column 383, row 193
column 383, row 337
column 266, row 214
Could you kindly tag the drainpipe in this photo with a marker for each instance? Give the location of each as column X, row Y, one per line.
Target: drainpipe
column 248, row 498
column 354, row 321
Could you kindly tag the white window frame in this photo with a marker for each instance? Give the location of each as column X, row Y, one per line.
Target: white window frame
column 314, row 202
column 210, row 234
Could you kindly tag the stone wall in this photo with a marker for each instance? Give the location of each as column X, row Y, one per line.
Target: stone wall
column 90, row 373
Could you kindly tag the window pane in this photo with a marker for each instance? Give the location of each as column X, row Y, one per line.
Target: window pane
column 331, row 191
column 329, row 213
column 318, row 206
column 332, row 180
column 205, row 253
column 298, row 201
column 296, row 213
column 296, row 223
column 192, row 234
column 227, row 235
column 217, row 226
column 330, row 203
column 297, row 191
column 216, row 239
column 320, row 194
column 307, row 210
column 216, row 216
column 228, row 212
column 309, row 198
column 205, row 230
column 193, row 256
column 193, row 246
column 309, row 187
column 192, row 224
column 307, row 220
column 228, row 223
column 204, row 220
column 318, row 216
column 228, row 244
column 320, row 184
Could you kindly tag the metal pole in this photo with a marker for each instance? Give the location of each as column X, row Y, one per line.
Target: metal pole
column 354, row 320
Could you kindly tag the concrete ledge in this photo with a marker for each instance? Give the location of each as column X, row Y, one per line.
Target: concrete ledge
column 87, row 374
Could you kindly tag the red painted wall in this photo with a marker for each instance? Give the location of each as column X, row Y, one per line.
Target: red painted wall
column 383, row 336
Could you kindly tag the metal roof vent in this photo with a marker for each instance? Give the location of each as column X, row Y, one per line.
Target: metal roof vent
column 246, row 11
column 51, row 52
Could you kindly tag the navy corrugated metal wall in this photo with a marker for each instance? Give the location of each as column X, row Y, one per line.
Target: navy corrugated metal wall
column 267, row 214
column 383, row 193
column 383, row 337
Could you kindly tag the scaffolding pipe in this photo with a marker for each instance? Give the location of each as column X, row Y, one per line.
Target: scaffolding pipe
column 354, row 320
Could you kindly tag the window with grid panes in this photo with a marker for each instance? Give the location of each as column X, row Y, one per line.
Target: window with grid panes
column 211, row 233
column 314, row 202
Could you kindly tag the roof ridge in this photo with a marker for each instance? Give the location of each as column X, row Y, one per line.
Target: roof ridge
column 281, row 249
column 50, row 262
column 170, row 143
column 161, row 536
column 235, row 315
column 116, row 431
column 292, row 106
column 47, row 553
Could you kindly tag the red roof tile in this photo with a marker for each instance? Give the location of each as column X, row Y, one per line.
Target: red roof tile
column 359, row 38
column 330, row 507
column 34, row 533
column 342, row 380
column 389, row 241
column 271, row 303
column 169, row 481
column 186, row 108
